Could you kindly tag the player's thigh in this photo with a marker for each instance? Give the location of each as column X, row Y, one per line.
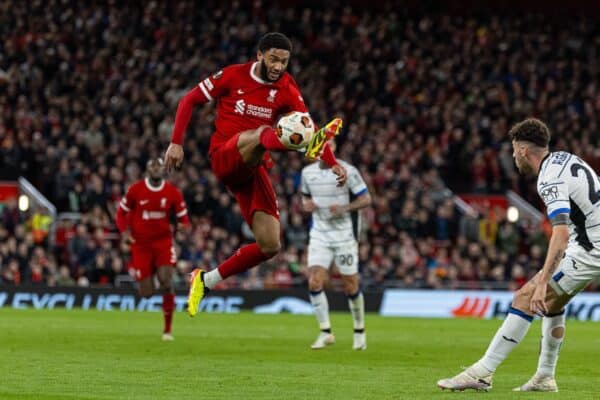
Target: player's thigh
column 346, row 258
column 254, row 195
column 141, row 261
column 570, row 278
column 228, row 165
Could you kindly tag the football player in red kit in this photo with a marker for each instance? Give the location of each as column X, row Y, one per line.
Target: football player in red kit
column 146, row 209
column 250, row 98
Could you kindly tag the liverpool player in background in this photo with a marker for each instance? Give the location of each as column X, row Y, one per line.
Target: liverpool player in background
column 146, row 209
column 250, row 97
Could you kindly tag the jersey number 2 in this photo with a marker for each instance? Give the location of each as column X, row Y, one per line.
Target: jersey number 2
column 592, row 194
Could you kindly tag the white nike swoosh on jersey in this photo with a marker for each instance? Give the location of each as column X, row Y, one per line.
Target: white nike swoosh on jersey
column 240, row 91
column 142, row 202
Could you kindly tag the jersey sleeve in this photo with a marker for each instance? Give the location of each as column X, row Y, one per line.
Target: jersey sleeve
column 127, row 202
column 555, row 195
column 179, row 206
column 356, row 184
column 217, row 84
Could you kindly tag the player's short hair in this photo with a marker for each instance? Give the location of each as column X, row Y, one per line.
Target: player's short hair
column 531, row 130
column 274, row 40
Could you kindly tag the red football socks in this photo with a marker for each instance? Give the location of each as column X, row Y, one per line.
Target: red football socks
column 168, row 306
column 242, row 260
column 270, row 141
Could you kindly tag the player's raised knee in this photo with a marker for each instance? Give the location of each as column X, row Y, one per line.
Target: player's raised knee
column 269, row 246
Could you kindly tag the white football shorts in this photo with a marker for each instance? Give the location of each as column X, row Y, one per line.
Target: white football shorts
column 572, row 276
column 345, row 256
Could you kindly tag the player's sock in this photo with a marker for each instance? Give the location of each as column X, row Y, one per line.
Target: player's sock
column 211, row 278
column 270, row 140
column 321, row 307
column 356, row 302
column 168, row 305
column 242, row 260
column 513, row 330
column 550, row 345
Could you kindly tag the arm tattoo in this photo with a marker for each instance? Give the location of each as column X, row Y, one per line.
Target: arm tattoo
column 559, row 256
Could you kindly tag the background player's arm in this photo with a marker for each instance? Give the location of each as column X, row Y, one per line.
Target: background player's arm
column 181, row 212
column 126, row 205
column 362, row 201
column 308, row 205
column 358, row 188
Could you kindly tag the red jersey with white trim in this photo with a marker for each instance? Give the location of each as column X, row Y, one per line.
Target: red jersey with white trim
column 245, row 101
column 150, row 208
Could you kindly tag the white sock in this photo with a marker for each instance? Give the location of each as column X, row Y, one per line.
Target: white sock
column 321, row 307
column 357, row 309
column 550, row 346
column 513, row 330
column 211, row 278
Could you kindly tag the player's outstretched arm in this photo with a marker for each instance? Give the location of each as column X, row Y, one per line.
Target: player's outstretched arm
column 174, row 154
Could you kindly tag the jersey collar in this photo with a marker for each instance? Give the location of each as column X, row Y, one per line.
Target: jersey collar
column 543, row 161
column 152, row 188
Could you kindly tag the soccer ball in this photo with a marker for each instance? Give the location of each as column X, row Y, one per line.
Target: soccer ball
column 295, row 130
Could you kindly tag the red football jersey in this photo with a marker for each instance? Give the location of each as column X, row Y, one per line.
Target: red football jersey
column 245, row 101
column 149, row 210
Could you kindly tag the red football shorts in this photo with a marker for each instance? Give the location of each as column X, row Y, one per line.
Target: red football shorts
column 250, row 186
column 146, row 257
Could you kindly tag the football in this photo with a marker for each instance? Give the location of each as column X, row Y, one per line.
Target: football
column 295, row 130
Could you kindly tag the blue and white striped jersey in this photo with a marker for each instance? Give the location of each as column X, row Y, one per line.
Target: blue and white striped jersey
column 568, row 185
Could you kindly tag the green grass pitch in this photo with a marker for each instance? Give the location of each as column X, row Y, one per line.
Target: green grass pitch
column 118, row 355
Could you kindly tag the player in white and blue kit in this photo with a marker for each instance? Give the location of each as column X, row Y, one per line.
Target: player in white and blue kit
column 334, row 239
column 570, row 189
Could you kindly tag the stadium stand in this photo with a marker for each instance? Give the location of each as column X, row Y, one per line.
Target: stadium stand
column 88, row 93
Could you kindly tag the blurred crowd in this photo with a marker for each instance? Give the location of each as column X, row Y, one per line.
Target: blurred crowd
column 88, row 93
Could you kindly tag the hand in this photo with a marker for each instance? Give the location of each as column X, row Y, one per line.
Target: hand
column 336, row 210
column 173, row 157
column 537, row 303
column 128, row 239
column 341, row 174
column 183, row 228
column 309, row 205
